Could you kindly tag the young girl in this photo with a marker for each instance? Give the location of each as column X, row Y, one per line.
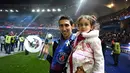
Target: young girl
column 87, row 56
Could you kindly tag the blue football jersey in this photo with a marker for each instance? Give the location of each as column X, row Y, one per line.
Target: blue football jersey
column 61, row 54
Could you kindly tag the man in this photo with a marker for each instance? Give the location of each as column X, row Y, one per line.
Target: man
column 2, row 41
column 21, row 40
column 116, row 52
column 8, row 43
column 61, row 47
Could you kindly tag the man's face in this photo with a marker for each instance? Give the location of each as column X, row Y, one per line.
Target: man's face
column 65, row 28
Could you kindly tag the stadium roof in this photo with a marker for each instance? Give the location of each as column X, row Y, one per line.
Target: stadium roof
column 69, row 7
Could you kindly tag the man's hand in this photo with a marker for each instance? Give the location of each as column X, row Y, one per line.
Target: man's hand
column 80, row 70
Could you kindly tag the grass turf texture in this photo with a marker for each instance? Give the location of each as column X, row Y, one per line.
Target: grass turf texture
column 21, row 63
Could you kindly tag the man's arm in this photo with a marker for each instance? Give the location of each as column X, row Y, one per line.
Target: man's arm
column 49, row 57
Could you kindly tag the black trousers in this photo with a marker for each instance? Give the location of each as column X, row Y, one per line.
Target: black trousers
column 53, row 71
column 8, row 48
column 63, row 71
column 115, row 58
column 3, row 46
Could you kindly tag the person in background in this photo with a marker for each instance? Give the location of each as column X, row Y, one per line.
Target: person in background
column 16, row 40
column 8, row 43
column 2, row 42
column 116, row 51
column 87, row 56
column 21, row 40
column 12, row 43
column 103, row 42
column 112, row 45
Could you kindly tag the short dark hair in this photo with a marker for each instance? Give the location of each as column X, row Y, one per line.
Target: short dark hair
column 64, row 17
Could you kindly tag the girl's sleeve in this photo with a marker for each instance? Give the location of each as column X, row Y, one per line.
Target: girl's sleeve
column 98, row 56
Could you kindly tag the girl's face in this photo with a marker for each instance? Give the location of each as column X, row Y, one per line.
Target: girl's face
column 65, row 28
column 84, row 25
